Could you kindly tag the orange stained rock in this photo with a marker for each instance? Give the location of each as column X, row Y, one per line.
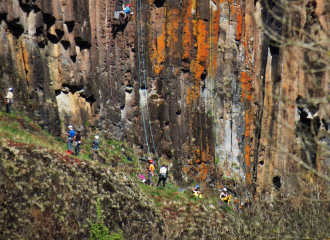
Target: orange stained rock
column 198, row 66
column 203, row 156
column 186, row 29
column 247, row 149
column 239, row 19
column 247, row 96
column 173, row 33
column 192, row 94
column 158, row 54
column 246, row 87
column 185, row 169
column 26, row 65
column 214, row 33
column 203, row 172
column 189, row 97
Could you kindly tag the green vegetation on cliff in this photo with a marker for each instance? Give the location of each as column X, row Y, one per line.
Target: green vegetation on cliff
column 47, row 194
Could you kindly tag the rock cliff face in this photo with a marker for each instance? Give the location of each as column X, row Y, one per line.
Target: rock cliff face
column 198, row 82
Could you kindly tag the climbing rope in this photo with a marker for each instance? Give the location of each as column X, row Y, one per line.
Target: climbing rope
column 109, row 59
column 144, row 124
column 145, row 83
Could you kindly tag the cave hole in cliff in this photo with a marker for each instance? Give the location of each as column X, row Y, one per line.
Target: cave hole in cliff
column 16, row 29
column 58, row 92
column 59, row 33
column 73, row 89
column 261, row 163
column 52, row 38
column 65, row 44
column 184, row 69
column 129, row 88
column 42, row 44
column 118, row 26
column 178, row 113
column 69, row 25
column 122, row 107
column 3, row 16
column 82, row 44
column 25, row 7
column 49, row 20
column 203, row 78
column 39, row 31
column 143, row 87
column 273, row 48
column 91, row 99
column 167, row 123
column 159, row 3
column 73, row 58
column 277, row 182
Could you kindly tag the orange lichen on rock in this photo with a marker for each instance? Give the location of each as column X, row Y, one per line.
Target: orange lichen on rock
column 157, row 46
column 173, row 33
column 186, row 29
column 198, row 66
column 203, row 170
column 160, row 53
column 214, row 33
column 239, row 19
column 246, row 87
column 246, row 95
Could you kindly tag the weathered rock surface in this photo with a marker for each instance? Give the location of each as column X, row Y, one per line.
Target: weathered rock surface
column 199, row 81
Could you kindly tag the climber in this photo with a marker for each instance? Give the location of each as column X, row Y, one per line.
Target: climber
column 225, row 197
column 9, row 99
column 71, row 136
column 151, row 171
column 77, row 139
column 95, row 147
column 162, row 175
column 126, row 10
column 196, row 192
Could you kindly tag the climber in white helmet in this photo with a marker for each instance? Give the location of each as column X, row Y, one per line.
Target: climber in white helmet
column 225, row 196
column 9, row 99
column 95, row 147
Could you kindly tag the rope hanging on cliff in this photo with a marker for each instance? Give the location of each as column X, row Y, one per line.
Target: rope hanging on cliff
column 139, row 12
column 109, row 59
column 144, row 124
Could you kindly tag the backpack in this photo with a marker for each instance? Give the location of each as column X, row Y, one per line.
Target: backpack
column 70, row 152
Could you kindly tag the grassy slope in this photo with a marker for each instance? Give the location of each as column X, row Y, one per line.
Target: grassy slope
column 185, row 217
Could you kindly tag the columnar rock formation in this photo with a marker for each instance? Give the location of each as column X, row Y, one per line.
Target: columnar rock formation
column 195, row 81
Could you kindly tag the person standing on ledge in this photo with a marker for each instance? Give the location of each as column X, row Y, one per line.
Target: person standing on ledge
column 77, row 139
column 95, row 147
column 151, row 171
column 162, row 175
column 9, row 99
column 71, row 136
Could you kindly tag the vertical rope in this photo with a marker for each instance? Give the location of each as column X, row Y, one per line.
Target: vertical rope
column 109, row 63
column 145, row 82
column 137, row 24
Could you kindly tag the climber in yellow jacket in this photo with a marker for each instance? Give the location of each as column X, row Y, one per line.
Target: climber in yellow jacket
column 225, row 197
column 196, row 192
